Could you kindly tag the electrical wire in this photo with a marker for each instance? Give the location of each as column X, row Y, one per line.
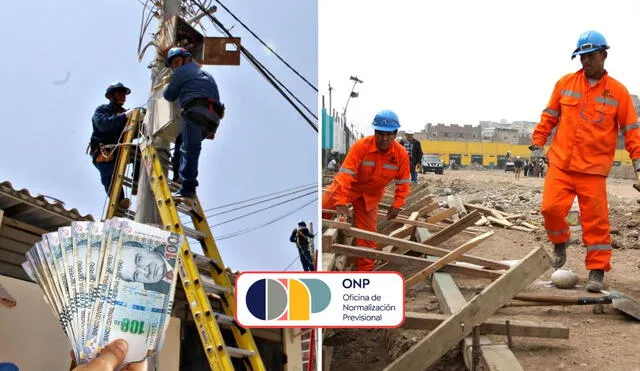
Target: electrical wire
column 258, row 202
column 290, row 264
column 263, row 196
column 263, row 209
column 258, row 226
column 265, row 45
column 257, row 65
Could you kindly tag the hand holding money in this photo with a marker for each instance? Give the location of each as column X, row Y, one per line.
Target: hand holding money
column 111, row 357
column 107, row 281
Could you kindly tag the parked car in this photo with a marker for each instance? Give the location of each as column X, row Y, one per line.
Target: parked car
column 509, row 166
column 432, row 163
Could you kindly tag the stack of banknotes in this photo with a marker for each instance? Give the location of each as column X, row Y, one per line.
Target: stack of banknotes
column 108, row 280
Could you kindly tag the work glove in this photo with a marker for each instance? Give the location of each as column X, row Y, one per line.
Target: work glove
column 392, row 213
column 636, row 167
column 536, row 151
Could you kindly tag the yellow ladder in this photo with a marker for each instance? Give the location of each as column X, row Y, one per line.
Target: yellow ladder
column 207, row 322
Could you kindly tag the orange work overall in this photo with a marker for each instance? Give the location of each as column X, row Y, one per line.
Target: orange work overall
column 361, row 181
column 587, row 119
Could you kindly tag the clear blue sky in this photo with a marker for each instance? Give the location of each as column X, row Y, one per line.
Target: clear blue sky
column 262, row 146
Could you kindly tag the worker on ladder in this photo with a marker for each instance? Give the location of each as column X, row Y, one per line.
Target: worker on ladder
column 371, row 164
column 201, row 112
column 301, row 237
column 109, row 121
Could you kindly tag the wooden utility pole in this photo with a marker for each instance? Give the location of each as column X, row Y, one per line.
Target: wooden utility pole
column 147, row 211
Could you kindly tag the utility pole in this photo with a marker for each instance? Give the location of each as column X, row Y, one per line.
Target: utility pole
column 147, row 211
column 330, row 90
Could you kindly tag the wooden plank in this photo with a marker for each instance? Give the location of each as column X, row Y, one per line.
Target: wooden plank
column 19, row 235
column 479, row 309
column 520, row 228
column 434, row 227
column 529, row 225
column 23, row 226
column 444, row 214
column 15, row 246
column 11, row 257
column 485, row 210
column 402, row 232
column 366, row 252
column 501, row 222
column 327, row 357
column 451, row 300
column 492, row 326
column 453, row 255
column 414, row 246
column 427, row 209
column 328, row 260
column 1, row 216
column 455, row 228
column 328, row 238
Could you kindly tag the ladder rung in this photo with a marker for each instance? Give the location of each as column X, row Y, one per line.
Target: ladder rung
column 206, row 263
column 189, row 232
column 224, row 319
column 173, row 186
column 239, row 353
column 184, row 209
column 211, row 286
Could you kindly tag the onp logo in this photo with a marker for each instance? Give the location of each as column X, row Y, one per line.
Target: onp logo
column 286, row 299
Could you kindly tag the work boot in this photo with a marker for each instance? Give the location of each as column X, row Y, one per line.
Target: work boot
column 559, row 255
column 124, row 203
column 595, row 282
column 188, row 200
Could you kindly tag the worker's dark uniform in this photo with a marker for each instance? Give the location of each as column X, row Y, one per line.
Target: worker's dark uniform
column 201, row 111
column 301, row 236
column 108, row 122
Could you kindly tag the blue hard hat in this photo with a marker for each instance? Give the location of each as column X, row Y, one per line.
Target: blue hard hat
column 588, row 42
column 116, row 86
column 175, row 52
column 386, row 120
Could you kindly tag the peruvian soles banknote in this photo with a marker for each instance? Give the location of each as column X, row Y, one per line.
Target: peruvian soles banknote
column 108, row 280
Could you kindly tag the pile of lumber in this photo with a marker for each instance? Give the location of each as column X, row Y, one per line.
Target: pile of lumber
column 415, row 237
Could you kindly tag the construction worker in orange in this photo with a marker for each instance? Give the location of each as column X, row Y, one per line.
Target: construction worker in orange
column 371, row 164
column 587, row 108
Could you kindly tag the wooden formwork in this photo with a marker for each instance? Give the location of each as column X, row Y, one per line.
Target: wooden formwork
column 414, row 237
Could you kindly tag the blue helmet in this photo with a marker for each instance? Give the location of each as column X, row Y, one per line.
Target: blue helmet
column 386, row 120
column 176, row 52
column 115, row 86
column 588, row 42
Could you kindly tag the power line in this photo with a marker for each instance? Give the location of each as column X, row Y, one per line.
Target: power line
column 255, row 203
column 258, row 66
column 265, row 45
column 258, row 226
column 263, row 209
column 290, row 264
column 259, row 197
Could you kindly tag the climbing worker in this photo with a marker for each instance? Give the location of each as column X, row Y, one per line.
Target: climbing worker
column 371, row 163
column 588, row 108
column 201, row 112
column 109, row 121
column 414, row 149
column 301, row 237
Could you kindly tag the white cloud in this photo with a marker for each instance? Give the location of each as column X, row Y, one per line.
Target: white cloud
column 463, row 61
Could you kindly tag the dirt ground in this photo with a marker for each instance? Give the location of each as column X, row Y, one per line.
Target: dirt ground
column 597, row 341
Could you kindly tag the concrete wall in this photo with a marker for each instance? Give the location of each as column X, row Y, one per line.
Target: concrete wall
column 490, row 151
column 31, row 337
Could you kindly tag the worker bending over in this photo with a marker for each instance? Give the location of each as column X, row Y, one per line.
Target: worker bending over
column 371, row 163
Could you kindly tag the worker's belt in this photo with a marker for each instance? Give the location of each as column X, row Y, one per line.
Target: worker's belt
column 211, row 104
column 205, row 112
